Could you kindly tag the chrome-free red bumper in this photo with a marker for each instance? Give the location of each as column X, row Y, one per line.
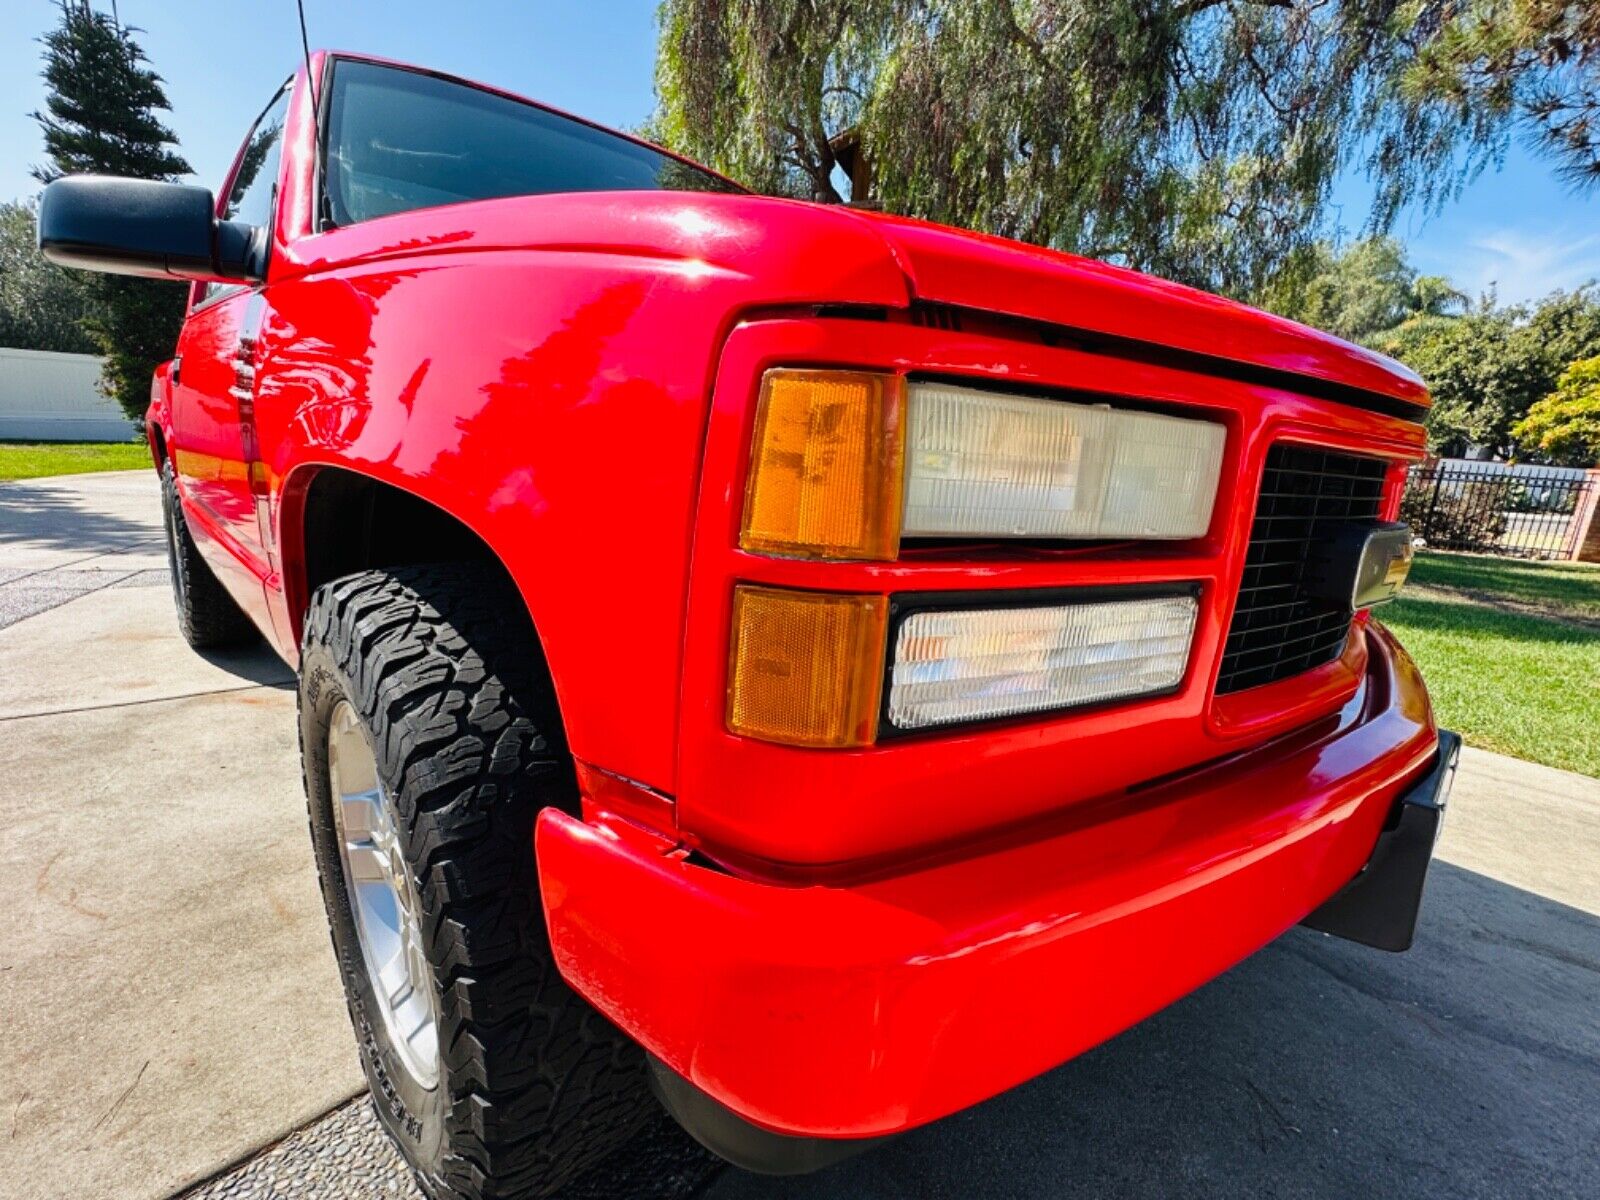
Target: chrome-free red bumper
column 864, row 1009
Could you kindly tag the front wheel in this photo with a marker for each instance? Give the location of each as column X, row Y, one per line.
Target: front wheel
column 430, row 741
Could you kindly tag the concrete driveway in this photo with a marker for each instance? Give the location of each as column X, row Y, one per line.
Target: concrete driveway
column 1467, row 1067
column 168, row 998
column 170, row 1005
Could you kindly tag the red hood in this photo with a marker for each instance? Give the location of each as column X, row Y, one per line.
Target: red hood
column 974, row 270
column 787, row 252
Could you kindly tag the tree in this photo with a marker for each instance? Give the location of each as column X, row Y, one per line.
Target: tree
column 1366, row 290
column 1434, row 296
column 1198, row 139
column 1565, row 425
column 1535, row 62
column 42, row 306
column 1486, row 369
column 102, row 115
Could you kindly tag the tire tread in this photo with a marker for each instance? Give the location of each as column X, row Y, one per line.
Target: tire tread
column 542, row 1087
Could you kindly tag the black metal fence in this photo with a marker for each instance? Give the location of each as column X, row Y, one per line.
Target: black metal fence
column 1469, row 506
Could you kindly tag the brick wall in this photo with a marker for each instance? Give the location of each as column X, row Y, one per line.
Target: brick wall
column 1587, row 545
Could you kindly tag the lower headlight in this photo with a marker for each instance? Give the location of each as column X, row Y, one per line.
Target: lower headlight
column 954, row 666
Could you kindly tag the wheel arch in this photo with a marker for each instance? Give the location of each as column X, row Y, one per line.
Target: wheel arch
column 335, row 519
column 156, row 416
column 157, row 438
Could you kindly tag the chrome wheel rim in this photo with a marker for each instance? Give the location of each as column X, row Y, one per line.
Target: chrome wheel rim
column 388, row 917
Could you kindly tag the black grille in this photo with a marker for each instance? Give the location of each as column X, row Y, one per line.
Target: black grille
column 1277, row 629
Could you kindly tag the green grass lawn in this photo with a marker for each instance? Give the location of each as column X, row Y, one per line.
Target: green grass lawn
column 1511, row 653
column 1560, row 588
column 34, row 460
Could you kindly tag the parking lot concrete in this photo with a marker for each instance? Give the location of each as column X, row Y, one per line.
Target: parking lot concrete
column 171, row 1007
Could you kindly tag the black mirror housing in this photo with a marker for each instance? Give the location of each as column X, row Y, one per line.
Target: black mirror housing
column 143, row 227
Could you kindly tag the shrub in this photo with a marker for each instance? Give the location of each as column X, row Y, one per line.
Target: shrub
column 1457, row 513
column 1546, row 496
column 1566, row 424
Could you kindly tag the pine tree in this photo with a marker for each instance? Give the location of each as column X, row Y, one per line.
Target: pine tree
column 102, row 117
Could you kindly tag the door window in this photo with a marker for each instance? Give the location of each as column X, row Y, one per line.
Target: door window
column 254, row 190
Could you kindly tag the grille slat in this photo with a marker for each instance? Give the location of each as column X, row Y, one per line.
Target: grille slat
column 1278, row 630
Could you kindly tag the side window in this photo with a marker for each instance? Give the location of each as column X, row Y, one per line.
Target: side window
column 255, row 184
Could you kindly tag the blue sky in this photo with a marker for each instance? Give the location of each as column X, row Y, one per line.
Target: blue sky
column 1517, row 228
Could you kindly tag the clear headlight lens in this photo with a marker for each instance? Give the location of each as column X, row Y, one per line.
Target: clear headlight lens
column 1009, row 466
column 969, row 665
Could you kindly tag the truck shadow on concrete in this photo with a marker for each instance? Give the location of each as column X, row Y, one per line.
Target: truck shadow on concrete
column 253, row 663
column 1469, row 1066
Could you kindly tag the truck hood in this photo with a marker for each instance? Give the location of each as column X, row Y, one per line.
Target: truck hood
column 976, row 271
column 788, row 252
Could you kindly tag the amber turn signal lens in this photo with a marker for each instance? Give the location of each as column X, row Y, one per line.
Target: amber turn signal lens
column 806, row 668
column 825, row 466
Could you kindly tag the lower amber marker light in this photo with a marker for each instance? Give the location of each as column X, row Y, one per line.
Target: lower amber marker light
column 806, row 668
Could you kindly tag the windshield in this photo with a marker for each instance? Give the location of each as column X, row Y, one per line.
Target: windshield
column 400, row 139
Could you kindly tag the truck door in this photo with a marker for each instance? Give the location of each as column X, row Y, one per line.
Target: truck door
column 213, row 386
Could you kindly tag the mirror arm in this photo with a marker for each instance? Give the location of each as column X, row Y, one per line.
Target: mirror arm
column 239, row 251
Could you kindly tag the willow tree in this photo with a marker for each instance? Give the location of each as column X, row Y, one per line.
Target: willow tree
column 1530, row 63
column 1199, row 139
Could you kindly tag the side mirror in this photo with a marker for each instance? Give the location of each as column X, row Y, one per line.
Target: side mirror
column 141, row 227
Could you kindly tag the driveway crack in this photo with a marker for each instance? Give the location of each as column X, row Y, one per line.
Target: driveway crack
column 65, row 712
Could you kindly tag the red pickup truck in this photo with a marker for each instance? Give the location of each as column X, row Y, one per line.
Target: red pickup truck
column 808, row 667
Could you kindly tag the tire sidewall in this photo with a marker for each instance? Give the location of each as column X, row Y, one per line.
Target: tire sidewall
column 173, row 516
column 413, row 1114
column 538, row 1087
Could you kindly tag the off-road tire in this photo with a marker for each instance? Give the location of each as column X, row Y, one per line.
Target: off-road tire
column 208, row 617
column 447, row 677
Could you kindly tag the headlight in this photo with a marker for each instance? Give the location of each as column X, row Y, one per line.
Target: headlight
column 1010, row 466
column 846, row 463
column 970, row 665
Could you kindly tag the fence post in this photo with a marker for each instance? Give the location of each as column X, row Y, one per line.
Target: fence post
column 1433, row 501
column 1586, row 521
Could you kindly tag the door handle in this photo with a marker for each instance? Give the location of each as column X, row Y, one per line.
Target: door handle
column 177, row 367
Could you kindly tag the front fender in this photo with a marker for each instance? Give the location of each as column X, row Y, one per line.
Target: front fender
column 555, row 402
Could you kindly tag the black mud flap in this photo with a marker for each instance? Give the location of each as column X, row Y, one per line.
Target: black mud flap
column 729, row 1136
column 1379, row 906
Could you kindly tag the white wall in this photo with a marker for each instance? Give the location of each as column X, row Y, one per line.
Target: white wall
column 50, row 397
column 1472, row 466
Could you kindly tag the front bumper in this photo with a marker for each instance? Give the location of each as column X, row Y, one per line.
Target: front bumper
column 857, row 1010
